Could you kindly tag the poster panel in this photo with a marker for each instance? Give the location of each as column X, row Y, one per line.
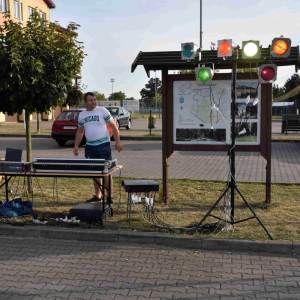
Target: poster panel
column 202, row 113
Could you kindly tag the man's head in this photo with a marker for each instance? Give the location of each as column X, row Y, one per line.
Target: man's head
column 90, row 101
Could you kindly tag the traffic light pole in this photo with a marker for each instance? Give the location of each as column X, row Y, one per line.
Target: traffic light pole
column 231, row 153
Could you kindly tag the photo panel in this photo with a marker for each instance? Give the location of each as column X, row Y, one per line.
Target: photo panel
column 246, row 132
column 201, row 135
column 247, row 111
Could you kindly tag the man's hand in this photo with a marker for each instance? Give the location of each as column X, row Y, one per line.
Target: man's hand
column 75, row 151
column 119, row 146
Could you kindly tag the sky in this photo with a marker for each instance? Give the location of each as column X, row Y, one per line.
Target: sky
column 113, row 32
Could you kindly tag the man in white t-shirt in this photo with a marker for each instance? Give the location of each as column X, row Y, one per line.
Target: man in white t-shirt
column 92, row 122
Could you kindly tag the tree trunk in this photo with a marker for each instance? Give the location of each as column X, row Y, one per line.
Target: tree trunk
column 28, row 146
column 38, row 123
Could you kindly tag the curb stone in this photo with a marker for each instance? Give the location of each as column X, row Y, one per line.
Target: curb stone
column 176, row 241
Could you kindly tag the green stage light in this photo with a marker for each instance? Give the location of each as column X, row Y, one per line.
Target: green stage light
column 204, row 74
column 250, row 49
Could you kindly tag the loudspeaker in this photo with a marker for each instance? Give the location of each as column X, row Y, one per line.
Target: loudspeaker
column 91, row 212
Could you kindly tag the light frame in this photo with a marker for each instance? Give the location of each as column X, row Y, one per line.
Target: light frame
column 259, row 69
column 288, row 41
column 231, row 45
column 194, row 51
column 256, row 56
column 210, row 70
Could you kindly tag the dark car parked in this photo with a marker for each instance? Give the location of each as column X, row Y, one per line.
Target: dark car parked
column 121, row 116
column 64, row 127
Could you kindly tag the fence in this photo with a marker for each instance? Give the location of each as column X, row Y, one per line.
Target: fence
column 144, row 106
column 149, row 104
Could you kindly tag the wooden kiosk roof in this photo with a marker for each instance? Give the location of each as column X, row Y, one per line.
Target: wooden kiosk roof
column 172, row 60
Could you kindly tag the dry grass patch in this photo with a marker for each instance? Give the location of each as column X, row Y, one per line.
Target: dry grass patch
column 190, row 200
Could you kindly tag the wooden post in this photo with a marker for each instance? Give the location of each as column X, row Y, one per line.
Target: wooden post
column 164, row 137
column 269, row 142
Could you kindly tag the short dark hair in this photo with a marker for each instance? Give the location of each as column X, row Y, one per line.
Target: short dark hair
column 88, row 94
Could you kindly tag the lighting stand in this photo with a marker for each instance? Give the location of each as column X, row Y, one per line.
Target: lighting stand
column 232, row 185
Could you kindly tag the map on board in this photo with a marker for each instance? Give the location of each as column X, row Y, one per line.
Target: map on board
column 205, row 108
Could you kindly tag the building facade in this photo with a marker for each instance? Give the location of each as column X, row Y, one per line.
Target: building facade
column 21, row 11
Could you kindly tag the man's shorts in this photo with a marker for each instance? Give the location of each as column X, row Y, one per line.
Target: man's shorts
column 100, row 151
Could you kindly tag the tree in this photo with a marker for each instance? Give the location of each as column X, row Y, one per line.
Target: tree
column 291, row 83
column 74, row 96
column 37, row 66
column 149, row 91
column 131, row 98
column 277, row 91
column 117, row 96
column 99, row 96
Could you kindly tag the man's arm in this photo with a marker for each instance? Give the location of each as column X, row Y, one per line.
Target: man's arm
column 115, row 130
column 78, row 138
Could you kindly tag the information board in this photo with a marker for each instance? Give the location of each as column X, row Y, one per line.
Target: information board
column 202, row 113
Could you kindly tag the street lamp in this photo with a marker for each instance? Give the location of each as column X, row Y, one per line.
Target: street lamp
column 112, row 82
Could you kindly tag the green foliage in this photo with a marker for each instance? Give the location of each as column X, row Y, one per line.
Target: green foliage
column 277, row 91
column 246, row 70
column 37, row 64
column 74, row 96
column 186, row 72
column 291, row 83
column 117, row 96
column 131, row 98
column 149, row 91
column 99, row 96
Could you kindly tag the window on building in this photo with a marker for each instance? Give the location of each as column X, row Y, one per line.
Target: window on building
column 17, row 13
column 3, row 6
column 42, row 15
column 30, row 11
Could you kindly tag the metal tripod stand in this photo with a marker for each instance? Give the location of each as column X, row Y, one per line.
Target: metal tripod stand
column 232, row 185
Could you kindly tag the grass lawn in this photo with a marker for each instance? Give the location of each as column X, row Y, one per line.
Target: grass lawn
column 190, row 200
column 146, row 115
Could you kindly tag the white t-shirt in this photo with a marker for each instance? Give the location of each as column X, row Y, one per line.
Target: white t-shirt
column 94, row 123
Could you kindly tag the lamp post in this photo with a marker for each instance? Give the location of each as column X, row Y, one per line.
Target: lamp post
column 112, row 82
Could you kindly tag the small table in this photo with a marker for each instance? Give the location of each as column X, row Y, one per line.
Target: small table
column 139, row 186
column 81, row 175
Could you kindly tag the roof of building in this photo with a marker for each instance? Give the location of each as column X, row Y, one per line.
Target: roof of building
column 50, row 3
column 282, row 104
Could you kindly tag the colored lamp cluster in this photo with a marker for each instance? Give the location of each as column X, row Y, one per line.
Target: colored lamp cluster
column 267, row 73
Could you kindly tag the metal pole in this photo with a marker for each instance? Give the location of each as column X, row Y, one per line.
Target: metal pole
column 232, row 152
column 200, row 24
column 112, row 84
column 155, row 92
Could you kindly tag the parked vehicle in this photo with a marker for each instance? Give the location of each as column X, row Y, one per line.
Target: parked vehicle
column 64, row 127
column 121, row 116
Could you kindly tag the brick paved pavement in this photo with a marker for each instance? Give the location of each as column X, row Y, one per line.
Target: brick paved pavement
column 33, row 269
column 250, row 166
column 143, row 159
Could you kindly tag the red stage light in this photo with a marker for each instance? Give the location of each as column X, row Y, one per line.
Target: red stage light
column 268, row 73
column 224, row 48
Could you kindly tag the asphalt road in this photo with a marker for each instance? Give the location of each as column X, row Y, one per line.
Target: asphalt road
column 143, row 159
column 35, row 269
